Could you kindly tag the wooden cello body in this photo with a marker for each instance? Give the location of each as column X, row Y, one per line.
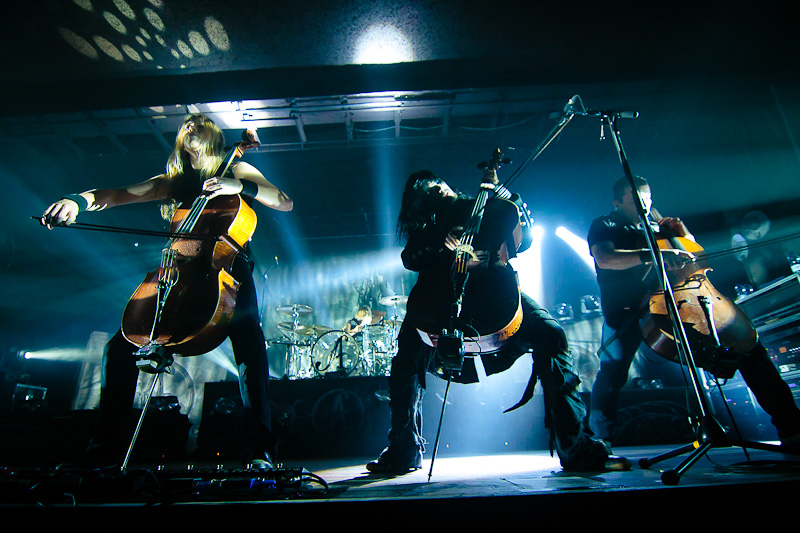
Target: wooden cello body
column 718, row 331
column 186, row 304
column 483, row 300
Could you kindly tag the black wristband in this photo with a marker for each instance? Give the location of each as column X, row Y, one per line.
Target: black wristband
column 249, row 188
column 83, row 205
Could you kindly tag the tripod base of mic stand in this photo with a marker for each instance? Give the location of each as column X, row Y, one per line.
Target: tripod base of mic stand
column 711, row 436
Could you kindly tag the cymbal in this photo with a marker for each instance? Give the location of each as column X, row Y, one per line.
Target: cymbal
column 288, row 327
column 397, row 299
column 284, row 342
column 294, row 309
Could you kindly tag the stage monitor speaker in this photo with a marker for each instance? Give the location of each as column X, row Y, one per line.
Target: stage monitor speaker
column 312, row 418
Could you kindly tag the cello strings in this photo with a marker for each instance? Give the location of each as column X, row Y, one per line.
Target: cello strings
column 768, row 242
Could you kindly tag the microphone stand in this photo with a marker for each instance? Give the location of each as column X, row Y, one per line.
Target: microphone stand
column 709, row 432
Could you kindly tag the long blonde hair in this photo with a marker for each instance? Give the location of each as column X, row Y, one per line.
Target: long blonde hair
column 211, row 156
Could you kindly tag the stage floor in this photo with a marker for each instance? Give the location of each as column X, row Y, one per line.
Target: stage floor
column 722, row 486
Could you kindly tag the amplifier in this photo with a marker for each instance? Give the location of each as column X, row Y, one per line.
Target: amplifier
column 774, row 305
column 784, row 350
column 775, row 312
column 792, row 378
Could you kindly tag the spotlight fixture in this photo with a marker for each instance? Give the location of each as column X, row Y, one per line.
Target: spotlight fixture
column 743, row 290
column 564, row 313
column 794, row 261
column 590, row 306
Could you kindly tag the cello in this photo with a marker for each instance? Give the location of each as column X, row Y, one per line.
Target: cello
column 486, row 303
column 718, row 331
column 185, row 304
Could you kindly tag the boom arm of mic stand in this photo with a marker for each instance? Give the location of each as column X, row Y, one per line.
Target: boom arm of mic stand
column 562, row 123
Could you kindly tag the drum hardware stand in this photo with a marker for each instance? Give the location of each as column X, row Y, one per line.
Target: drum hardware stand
column 709, row 432
column 153, row 359
column 294, row 364
column 368, row 351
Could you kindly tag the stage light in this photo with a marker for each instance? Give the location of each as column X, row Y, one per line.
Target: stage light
column 108, row 48
column 794, row 261
column 132, row 53
column 56, row 354
column 115, row 23
column 153, row 18
column 184, row 49
column 385, row 196
column 219, row 357
column 590, row 306
column 199, row 43
column 85, row 4
column 528, row 265
column 217, row 34
column 578, row 244
column 743, row 290
column 383, row 44
column 235, row 116
column 564, row 312
column 77, row 42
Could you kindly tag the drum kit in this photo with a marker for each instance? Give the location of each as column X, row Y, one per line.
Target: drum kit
column 319, row 351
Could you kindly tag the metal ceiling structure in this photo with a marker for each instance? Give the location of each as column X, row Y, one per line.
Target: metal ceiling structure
column 297, row 123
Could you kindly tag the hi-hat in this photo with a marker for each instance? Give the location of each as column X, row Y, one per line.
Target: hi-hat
column 320, row 330
column 290, row 327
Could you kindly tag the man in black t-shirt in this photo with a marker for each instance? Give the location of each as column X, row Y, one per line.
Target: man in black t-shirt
column 616, row 242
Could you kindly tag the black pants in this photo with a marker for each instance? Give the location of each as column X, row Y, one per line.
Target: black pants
column 761, row 376
column 120, row 375
column 564, row 408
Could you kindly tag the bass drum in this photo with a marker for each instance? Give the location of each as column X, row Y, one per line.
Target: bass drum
column 337, row 354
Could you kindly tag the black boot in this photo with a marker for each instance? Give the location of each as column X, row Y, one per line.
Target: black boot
column 397, row 459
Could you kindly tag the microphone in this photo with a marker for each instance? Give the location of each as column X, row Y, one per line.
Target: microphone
column 607, row 113
column 569, row 106
column 569, row 109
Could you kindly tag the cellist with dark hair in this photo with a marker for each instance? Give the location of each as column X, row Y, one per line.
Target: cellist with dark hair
column 197, row 155
column 431, row 222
